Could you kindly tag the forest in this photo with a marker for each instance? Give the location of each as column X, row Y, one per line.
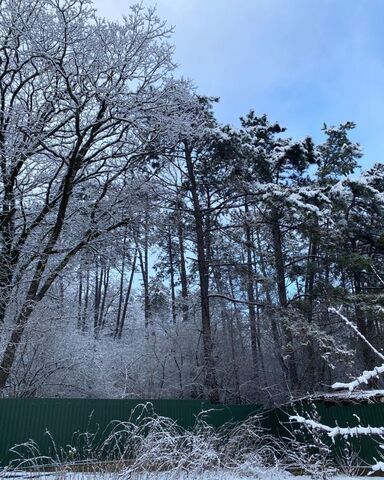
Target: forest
column 149, row 251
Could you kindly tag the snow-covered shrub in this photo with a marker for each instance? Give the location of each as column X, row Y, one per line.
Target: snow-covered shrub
column 315, row 424
column 308, row 450
column 349, row 461
column 152, row 443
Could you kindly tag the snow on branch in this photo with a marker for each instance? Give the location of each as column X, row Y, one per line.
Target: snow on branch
column 357, row 331
column 333, row 432
column 378, row 467
column 367, row 374
column 365, row 377
column 379, row 277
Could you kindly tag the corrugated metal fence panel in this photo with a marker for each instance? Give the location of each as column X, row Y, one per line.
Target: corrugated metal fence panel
column 218, row 415
column 25, row 419
column 367, row 447
column 349, row 415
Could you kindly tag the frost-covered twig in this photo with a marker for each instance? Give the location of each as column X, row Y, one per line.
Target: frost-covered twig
column 363, row 378
column 356, row 330
column 380, row 278
column 366, row 375
column 333, row 432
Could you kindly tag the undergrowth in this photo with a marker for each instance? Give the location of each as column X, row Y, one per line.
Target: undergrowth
column 148, row 442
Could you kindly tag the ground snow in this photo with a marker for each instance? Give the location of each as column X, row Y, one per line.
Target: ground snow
column 263, row 474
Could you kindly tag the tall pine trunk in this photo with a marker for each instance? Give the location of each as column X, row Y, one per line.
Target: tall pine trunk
column 203, row 267
column 250, row 286
column 282, row 294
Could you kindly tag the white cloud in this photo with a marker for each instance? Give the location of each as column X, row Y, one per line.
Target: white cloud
column 302, row 61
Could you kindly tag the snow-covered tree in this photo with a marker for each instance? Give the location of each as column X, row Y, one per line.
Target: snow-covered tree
column 80, row 97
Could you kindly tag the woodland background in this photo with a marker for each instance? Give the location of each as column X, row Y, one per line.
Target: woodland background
column 148, row 251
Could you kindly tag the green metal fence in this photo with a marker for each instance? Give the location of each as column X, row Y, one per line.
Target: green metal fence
column 31, row 419
column 56, row 423
column 367, row 448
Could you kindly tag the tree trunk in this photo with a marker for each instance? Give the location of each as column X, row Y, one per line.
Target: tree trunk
column 282, row 293
column 208, row 356
column 128, row 294
column 97, row 299
column 172, row 274
column 250, row 286
column 274, row 324
column 144, row 267
column 363, row 326
column 183, row 269
column 86, row 302
column 121, row 286
column 80, row 298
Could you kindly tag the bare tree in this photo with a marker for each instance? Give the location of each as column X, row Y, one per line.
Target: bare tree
column 76, row 96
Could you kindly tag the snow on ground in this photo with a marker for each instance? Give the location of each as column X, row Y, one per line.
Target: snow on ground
column 264, row 474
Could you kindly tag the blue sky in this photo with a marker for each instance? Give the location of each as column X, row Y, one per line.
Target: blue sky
column 303, row 62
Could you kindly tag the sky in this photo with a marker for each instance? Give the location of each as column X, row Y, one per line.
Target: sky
column 302, row 62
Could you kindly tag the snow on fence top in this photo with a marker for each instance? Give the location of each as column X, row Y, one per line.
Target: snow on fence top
column 346, row 397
